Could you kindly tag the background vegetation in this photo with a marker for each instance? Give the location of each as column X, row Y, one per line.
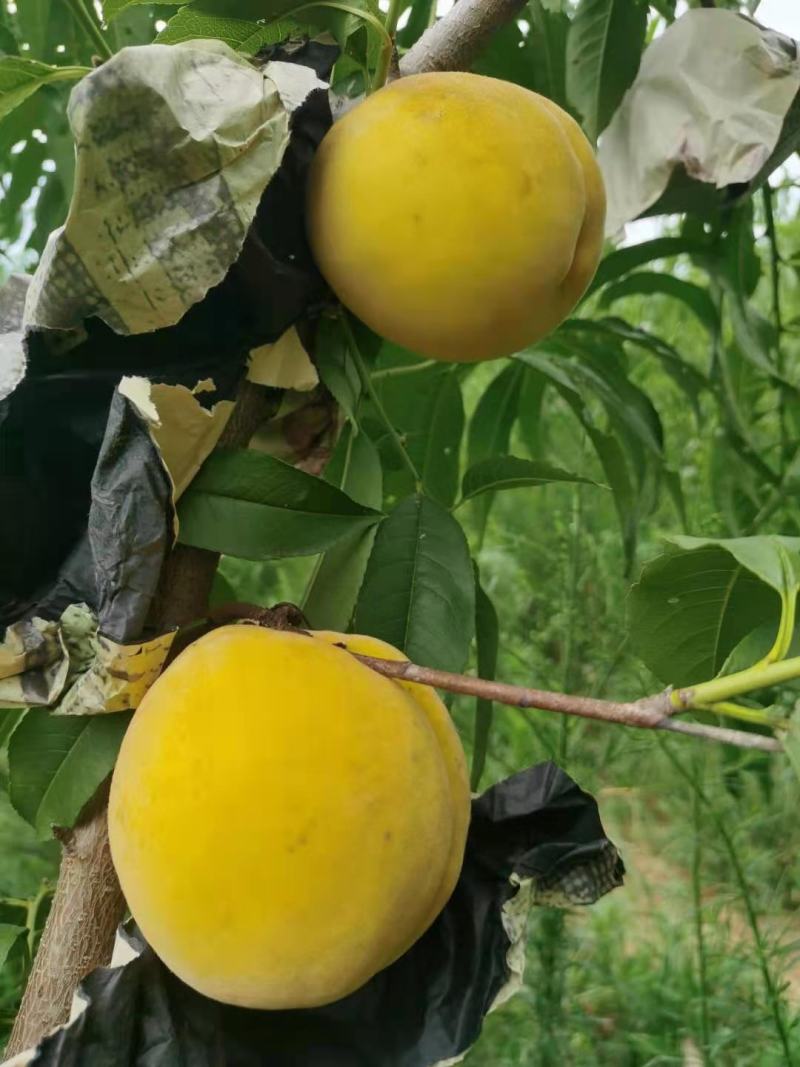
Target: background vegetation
column 695, row 960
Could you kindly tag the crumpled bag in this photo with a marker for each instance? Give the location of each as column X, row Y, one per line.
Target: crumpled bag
column 710, row 98
column 110, row 399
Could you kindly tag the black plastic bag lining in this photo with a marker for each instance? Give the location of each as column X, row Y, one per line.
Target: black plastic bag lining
column 426, row 1008
column 65, row 412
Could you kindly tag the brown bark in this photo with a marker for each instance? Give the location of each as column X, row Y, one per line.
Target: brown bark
column 650, row 713
column 455, row 41
column 88, row 904
column 79, row 933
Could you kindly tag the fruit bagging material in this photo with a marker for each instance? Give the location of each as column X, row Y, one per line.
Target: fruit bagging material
column 534, row 838
column 306, row 814
column 457, row 215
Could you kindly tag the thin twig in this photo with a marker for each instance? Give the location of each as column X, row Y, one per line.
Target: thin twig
column 651, row 713
column 405, row 368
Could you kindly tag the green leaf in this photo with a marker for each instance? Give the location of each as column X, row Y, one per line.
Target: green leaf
column 510, row 472
column 629, row 408
column 332, row 593
column 490, row 427
column 765, row 556
column 648, row 283
column 56, row 763
column 754, row 334
column 604, row 48
column 755, row 646
column 135, row 26
column 51, row 210
column 335, row 366
column 685, row 376
column 222, row 592
column 9, row 720
column 22, row 179
column 508, row 56
column 10, row 937
column 696, row 601
column 422, row 13
column 20, row 78
column 419, row 589
column 665, row 8
column 617, row 474
column 606, row 445
column 426, row 409
column 547, row 49
column 112, row 8
column 624, row 260
column 35, row 24
column 788, row 142
column 341, row 24
column 248, row 25
column 487, row 640
column 529, row 418
column 248, row 504
column 223, row 21
column 440, row 460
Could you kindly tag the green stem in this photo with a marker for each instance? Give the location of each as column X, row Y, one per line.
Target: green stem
column 68, row 73
column 393, row 372
column 369, row 390
column 84, row 18
column 385, row 59
column 783, row 639
column 762, row 676
column 737, row 711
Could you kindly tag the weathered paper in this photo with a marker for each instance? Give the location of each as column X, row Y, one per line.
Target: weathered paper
column 184, row 432
column 710, row 96
column 175, row 146
column 283, row 365
column 67, row 665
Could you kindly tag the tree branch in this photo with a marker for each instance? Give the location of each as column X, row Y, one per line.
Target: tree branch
column 79, row 934
column 88, row 904
column 651, row 713
column 454, row 42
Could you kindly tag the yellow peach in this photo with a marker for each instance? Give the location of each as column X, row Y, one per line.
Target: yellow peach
column 284, row 821
column 457, row 215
